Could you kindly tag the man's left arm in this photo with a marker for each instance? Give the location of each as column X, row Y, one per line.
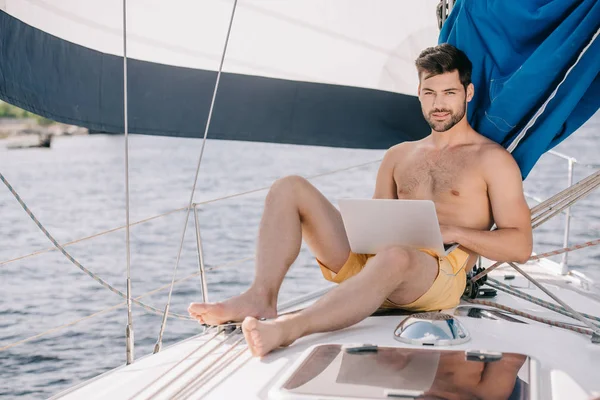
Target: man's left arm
column 512, row 240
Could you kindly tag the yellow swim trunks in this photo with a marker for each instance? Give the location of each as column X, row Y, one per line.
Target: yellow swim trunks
column 444, row 293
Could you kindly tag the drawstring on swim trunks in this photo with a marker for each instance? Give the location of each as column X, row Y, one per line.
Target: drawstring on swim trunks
column 456, row 273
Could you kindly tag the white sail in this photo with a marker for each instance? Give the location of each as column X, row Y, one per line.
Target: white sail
column 351, row 42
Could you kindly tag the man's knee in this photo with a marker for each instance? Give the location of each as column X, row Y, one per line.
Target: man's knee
column 289, row 186
column 396, row 261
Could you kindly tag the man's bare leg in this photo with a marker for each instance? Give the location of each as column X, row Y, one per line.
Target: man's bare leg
column 294, row 209
column 400, row 274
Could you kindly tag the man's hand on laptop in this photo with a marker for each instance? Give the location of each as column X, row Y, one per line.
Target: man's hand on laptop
column 448, row 234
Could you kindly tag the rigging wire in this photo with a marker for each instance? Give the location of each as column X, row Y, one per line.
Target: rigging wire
column 76, row 321
column 547, row 321
column 518, row 293
column 70, row 257
column 214, row 200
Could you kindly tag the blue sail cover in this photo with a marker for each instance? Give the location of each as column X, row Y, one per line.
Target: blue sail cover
column 521, row 51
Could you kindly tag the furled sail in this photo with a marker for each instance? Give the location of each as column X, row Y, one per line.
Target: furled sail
column 521, row 53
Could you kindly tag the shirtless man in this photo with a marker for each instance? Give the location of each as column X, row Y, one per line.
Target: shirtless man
column 473, row 182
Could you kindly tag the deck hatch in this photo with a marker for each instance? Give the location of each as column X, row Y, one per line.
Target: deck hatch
column 329, row 371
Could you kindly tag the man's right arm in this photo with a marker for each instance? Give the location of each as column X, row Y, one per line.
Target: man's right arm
column 385, row 186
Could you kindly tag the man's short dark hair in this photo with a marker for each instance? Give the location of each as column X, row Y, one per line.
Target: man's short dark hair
column 445, row 58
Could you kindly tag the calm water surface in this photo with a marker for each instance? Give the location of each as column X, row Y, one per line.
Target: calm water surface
column 76, row 189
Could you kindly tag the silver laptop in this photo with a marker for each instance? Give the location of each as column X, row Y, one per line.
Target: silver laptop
column 374, row 224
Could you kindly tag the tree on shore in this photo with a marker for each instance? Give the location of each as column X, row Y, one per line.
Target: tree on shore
column 10, row 111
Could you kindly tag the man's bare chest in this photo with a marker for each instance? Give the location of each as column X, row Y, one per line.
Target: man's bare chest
column 432, row 177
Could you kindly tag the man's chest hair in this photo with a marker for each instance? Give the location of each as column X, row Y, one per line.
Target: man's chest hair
column 434, row 174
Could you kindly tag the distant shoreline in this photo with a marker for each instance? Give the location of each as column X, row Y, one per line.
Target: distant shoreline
column 19, row 127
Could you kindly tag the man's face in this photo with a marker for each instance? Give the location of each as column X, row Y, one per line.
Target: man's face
column 443, row 99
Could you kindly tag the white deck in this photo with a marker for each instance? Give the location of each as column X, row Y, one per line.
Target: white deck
column 570, row 363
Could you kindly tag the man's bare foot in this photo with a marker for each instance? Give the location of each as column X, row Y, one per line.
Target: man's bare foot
column 264, row 336
column 250, row 303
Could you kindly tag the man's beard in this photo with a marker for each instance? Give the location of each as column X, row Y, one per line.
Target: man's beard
column 447, row 125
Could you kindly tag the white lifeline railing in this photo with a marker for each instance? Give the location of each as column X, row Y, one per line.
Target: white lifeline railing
column 571, row 161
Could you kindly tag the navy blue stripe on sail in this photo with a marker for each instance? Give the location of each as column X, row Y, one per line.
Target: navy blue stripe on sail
column 78, row 85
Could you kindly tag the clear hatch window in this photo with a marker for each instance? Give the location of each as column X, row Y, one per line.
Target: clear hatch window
column 388, row 372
